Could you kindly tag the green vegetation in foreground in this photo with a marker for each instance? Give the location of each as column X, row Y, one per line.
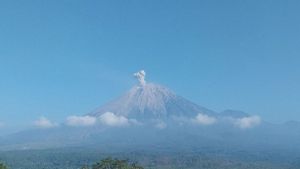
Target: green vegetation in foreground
column 2, row 166
column 85, row 158
column 109, row 163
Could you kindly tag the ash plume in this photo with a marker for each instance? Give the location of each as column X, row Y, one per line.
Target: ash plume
column 140, row 76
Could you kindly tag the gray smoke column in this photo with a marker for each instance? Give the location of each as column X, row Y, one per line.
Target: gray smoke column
column 140, row 77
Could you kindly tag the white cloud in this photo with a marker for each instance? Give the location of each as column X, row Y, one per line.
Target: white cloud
column 43, row 122
column 247, row 122
column 110, row 119
column 1, row 124
column 81, row 120
column 161, row 125
column 204, row 119
column 134, row 122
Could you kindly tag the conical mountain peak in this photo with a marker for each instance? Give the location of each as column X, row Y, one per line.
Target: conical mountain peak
column 151, row 101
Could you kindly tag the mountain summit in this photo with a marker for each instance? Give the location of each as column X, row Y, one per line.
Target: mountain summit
column 151, row 101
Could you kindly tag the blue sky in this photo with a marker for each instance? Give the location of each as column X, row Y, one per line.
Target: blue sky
column 61, row 58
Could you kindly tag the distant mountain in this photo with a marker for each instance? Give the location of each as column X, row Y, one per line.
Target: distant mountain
column 233, row 113
column 292, row 123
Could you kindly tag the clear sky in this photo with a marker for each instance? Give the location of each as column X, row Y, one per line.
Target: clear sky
column 61, row 58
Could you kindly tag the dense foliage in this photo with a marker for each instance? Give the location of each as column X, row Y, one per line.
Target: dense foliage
column 109, row 163
column 2, row 166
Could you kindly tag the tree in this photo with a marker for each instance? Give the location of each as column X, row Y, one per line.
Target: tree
column 2, row 166
column 109, row 163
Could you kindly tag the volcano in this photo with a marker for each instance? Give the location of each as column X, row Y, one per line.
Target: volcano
column 151, row 114
column 151, row 101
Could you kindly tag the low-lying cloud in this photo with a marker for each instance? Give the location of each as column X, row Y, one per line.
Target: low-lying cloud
column 81, row 121
column 247, row 122
column 43, row 122
column 160, row 125
column 106, row 119
column 110, row 119
column 204, row 119
column 1, row 124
